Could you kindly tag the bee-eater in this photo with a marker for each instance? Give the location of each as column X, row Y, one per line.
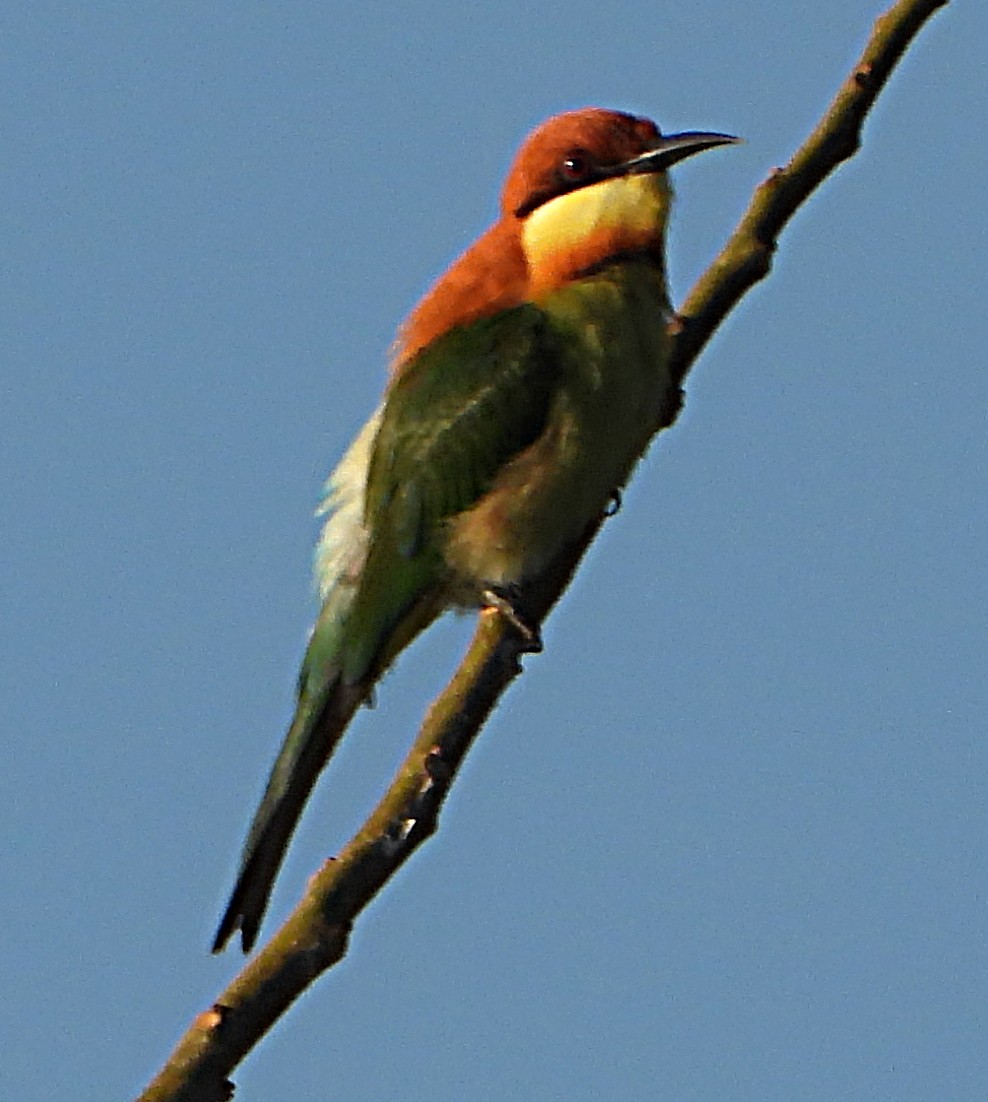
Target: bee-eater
column 523, row 389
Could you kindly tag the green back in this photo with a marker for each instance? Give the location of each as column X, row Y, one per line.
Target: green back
column 455, row 415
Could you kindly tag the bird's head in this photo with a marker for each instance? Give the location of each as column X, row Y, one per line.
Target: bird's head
column 589, row 186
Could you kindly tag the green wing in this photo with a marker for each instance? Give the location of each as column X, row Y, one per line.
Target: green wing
column 459, row 411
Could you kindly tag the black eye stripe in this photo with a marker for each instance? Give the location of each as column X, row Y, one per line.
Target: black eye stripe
column 574, row 170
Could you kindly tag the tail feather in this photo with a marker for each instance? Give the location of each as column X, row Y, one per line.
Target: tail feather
column 308, row 747
column 325, row 703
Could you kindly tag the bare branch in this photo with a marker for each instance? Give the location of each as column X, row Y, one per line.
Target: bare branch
column 747, row 256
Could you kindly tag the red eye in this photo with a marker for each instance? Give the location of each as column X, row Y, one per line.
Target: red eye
column 575, row 166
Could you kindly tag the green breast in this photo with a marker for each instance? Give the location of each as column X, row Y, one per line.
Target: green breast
column 607, row 340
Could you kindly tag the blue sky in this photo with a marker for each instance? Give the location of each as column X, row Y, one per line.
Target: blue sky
column 726, row 837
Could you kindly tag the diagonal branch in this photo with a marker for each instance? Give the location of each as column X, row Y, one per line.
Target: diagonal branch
column 314, row 938
column 746, row 257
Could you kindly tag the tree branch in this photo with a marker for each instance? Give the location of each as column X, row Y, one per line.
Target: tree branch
column 747, row 256
column 314, row 938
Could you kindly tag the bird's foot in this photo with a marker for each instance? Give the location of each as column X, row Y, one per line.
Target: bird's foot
column 613, row 505
column 499, row 600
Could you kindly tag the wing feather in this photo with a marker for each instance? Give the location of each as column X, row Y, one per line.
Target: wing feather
column 458, row 412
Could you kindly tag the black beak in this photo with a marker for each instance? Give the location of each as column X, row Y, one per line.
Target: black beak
column 671, row 148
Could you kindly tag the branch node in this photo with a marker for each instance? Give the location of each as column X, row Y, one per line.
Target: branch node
column 863, row 75
column 437, row 767
column 212, row 1020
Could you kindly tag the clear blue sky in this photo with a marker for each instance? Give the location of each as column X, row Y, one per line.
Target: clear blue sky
column 726, row 838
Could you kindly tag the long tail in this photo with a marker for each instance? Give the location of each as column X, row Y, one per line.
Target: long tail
column 326, row 703
column 310, row 742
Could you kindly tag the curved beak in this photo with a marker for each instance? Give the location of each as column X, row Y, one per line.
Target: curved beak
column 671, row 148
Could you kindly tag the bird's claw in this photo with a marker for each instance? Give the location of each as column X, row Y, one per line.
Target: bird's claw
column 500, row 602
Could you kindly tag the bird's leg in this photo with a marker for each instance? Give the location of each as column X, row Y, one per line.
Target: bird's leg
column 499, row 599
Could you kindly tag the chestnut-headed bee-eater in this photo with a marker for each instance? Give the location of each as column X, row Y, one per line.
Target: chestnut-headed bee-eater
column 523, row 389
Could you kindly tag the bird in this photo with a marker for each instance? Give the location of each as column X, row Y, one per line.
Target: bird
column 521, row 391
